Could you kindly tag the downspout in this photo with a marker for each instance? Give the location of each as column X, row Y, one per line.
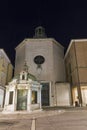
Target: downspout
column 78, row 84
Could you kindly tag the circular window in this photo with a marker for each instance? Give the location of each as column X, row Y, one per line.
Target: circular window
column 39, row 59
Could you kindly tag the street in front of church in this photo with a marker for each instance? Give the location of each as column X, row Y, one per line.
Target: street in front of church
column 64, row 119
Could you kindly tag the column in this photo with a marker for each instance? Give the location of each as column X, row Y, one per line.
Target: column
column 29, row 100
column 39, row 96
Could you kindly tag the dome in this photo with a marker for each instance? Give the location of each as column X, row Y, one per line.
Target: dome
column 29, row 76
column 24, row 74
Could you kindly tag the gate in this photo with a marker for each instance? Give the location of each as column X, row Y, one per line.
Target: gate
column 22, row 99
column 45, row 94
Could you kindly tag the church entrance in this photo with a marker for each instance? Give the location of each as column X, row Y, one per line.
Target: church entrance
column 45, row 94
column 22, row 99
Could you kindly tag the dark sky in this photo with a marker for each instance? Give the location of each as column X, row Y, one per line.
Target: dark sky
column 62, row 19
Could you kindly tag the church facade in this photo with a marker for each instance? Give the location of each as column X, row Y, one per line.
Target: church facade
column 45, row 58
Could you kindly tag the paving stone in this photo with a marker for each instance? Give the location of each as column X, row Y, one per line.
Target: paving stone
column 47, row 120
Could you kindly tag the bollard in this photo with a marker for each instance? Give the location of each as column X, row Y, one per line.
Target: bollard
column 33, row 125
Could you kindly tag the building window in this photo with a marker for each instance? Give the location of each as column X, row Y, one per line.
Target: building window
column 23, row 77
column 40, row 30
column 2, row 61
column 11, row 97
column 34, row 97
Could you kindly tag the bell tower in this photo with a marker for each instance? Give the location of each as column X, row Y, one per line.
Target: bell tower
column 40, row 32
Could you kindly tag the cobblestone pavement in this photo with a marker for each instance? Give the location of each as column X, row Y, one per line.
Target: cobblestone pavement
column 46, row 120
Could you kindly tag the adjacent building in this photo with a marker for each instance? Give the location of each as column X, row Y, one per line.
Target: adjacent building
column 45, row 58
column 6, row 70
column 76, row 70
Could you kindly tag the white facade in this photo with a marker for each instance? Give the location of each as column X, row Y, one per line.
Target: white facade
column 52, row 52
column 63, row 94
column 52, row 69
column 23, row 94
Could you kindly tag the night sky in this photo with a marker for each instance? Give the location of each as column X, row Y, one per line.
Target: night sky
column 63, row 20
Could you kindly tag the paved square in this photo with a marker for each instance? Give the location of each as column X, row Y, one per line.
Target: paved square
column 46, row 120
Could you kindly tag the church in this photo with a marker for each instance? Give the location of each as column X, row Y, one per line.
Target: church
column 48, row 78
column 45, row 58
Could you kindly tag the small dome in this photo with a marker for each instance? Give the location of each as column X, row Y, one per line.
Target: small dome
column 24, row 74
column 29, row 76
column 39, row 32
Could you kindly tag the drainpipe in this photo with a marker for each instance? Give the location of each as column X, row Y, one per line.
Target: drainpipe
column 78, row 85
